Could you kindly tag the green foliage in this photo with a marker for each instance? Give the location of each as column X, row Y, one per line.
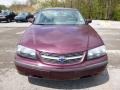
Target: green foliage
column 2, row 7
column 116, row 15
column 94, row 9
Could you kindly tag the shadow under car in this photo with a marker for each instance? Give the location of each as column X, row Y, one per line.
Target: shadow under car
column 84, row 82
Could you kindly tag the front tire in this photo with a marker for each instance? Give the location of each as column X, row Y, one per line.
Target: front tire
column 8, row 20
column 16, row 21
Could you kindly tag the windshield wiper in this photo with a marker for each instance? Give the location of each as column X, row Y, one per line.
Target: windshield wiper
column 40, row 24
column 44, row 24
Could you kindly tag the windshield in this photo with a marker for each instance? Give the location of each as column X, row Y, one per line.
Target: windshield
column 5, row 13
column 59, row 17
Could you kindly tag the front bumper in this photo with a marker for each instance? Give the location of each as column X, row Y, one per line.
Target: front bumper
column 3, row 19
column 26, row 67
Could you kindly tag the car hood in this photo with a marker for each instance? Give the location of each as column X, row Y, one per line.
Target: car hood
column 17, row 17
column 57, row 38
column 1, row 15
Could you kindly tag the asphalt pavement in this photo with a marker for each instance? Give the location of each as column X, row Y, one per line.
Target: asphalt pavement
column 10, row 33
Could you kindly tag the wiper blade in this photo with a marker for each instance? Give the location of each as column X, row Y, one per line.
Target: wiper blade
column 44, row 24
column 40, row 24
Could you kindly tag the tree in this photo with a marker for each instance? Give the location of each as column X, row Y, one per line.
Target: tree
column 94, row 9
column 2, row 7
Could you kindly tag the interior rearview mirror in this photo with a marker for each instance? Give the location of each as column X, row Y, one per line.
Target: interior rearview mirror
column 87, row 21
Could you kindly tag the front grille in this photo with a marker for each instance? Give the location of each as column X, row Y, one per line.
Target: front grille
column 69, row 58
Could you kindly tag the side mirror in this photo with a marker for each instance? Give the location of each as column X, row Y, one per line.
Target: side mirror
column 87, row 21
column 31, row 20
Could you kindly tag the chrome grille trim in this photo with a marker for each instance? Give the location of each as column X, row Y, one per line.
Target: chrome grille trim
column 68, row 58
column 74, row 57
column 49, row 57
column 57, row 58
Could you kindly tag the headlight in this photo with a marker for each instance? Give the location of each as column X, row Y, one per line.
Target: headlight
column 26, row 52
column 96, row 52
column 3, row 17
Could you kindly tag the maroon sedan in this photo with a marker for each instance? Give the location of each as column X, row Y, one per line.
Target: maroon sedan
column 60, row 45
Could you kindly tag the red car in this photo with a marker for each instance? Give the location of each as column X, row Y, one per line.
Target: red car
column 60, row 44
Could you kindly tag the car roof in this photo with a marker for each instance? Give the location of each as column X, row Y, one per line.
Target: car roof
column 59, row 8
column 56, row 8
